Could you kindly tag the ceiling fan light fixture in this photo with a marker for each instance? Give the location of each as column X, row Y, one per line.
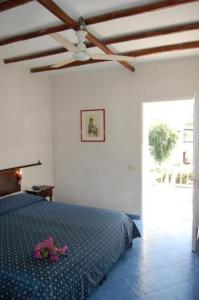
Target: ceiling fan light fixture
column 81, row 35
column 81, row 55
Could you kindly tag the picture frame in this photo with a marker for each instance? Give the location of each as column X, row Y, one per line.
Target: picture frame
column 92, row 125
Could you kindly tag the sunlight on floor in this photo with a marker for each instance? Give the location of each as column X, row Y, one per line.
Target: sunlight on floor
column 168, row 208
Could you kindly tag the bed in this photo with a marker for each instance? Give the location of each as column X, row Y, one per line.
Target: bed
column 96, row 238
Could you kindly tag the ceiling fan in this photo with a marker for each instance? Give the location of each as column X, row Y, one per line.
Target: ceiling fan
column 80, row 52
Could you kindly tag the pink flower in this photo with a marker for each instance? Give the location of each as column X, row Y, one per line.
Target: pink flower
column 53, row 251
column 54, row 258
column 42, row 245
column 63, row 250
column 39, row 246
column 37, row 255
column 48, row 249
column 50, row 239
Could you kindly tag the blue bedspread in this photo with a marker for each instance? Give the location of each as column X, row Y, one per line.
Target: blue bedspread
column 96, row 238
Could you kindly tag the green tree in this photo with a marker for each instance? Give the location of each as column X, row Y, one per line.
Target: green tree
column 162, row 141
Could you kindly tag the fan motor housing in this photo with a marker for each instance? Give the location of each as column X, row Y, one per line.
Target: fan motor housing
column 81, row 55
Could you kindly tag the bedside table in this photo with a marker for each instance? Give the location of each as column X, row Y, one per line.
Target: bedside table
column 44, row 191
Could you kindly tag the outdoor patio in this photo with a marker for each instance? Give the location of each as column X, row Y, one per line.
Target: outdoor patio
column 167, row 207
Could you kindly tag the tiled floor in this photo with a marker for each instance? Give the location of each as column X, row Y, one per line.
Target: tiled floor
column 160, row 266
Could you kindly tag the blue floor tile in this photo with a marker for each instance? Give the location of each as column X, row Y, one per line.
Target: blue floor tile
column 187, row 291
column 164, row 294
column 117, row 289
column 160, row 266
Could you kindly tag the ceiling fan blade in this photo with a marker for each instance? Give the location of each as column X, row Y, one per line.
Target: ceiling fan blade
column 112, row 57
column 63, row 63
column 64, row 42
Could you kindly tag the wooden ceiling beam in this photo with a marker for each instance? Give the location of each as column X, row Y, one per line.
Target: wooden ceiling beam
column 153, row 33
column 91, row 20
column 110, row 40
column 146, row 8
column 32, row 34
column 35, row 55
column 51, row 6
column 12, row 4
column 160, row 49
column 135, row 53
column 59, row 13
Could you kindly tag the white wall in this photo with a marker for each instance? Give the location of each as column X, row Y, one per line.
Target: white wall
column 26, row 124
column 109, row 174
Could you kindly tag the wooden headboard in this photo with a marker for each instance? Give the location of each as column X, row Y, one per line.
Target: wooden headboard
column 10, row 179
column 9, row 182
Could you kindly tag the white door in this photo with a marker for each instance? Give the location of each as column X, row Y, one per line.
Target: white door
column 196, row 172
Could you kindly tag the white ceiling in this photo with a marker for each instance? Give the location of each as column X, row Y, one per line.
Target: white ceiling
column 33, row 16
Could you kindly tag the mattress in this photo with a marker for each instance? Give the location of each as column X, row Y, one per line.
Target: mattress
column 96, row 238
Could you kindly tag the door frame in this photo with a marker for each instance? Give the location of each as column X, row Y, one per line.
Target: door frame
column 195, row 206
column 195, row 172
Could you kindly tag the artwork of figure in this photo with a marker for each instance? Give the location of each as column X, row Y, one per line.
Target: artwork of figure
column 92, row 128
column 92, row 125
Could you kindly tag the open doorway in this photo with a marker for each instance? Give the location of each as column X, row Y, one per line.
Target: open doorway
column 167, row 183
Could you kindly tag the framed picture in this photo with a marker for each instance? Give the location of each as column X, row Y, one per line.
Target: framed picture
column 92, row 125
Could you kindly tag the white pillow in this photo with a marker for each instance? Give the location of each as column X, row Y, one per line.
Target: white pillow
column 11, row 194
